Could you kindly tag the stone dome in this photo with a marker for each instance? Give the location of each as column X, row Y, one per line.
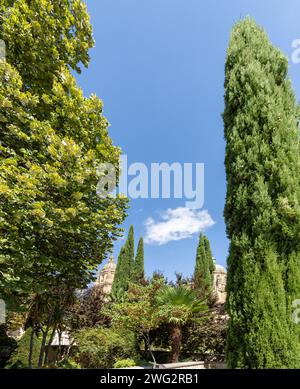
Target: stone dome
column 220, row 269
column 106, row 276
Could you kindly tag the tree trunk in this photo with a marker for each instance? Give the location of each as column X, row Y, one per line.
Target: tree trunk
column 176, row 336
column 59, row 354
column 148, row 342
column 33, row 320
column 31, row 349
column 43, row 345
column 46, row 361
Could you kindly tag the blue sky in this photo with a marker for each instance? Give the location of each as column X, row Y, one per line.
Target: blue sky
column 158, row 66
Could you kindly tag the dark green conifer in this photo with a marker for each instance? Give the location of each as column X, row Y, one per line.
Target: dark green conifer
column 203, row 269
column 262, row 205
column 125, row 265
column 138, row 269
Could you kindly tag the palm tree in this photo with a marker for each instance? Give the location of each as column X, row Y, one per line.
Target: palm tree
column 179, row 304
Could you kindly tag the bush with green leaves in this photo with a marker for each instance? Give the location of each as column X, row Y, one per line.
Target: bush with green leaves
column 67, row 363
column 7, row 346
column 100, row 348
column 121, row 363
column 205, row 340
column 19, row 358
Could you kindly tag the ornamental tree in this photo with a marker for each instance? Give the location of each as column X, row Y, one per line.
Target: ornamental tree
column 176, row 307
column 138, row 311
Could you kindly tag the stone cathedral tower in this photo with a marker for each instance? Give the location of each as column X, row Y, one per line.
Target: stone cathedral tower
column 106, row 276
column 219, row 284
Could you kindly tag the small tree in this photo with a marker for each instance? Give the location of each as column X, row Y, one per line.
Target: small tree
column 206, row 340
column 87, row 310
column 139, row 311
column 7, row 346
column 178, row 305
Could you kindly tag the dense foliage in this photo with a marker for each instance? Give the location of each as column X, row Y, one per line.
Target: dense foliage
column 86, row 311
column 206, row 341
column 100, row 348
column 19, row 358
column 124, row 363
column 7, row 346
column 146, row 308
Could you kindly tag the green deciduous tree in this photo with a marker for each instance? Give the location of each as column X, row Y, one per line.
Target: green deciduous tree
column 42, row 36
column 52, row 140
column 54, row 229
column 7, row 346
column 262, row 205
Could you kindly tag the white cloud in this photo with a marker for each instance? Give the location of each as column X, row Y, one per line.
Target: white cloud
column 176, row 224
column 139, row 210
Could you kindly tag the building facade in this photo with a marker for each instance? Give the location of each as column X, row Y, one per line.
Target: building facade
column 219, row 284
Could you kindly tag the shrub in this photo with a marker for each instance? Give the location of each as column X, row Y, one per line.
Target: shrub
column 19, row 358
column 206, row 340
column 7, row 346
column 124, row 363
column 100, row 348
column 67, row 363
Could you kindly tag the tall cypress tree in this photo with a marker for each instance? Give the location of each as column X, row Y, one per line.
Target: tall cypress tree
column 138, row 269
column 125, row 264
column 130, row 249
column 209, row 258
column 203, row 274
column 120, row 280
column 262, row 205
